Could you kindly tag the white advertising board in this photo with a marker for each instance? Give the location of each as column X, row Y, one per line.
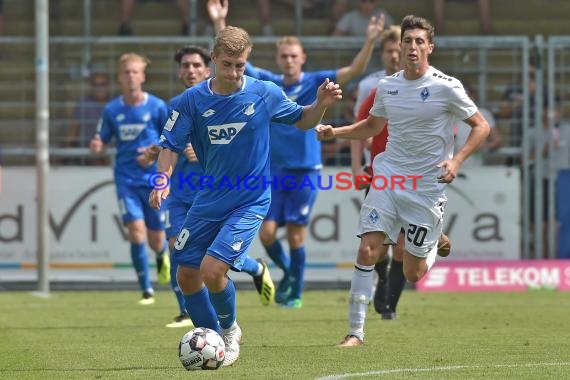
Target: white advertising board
column 88, row 242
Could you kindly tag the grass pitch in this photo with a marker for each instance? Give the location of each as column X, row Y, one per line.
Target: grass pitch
column 106, row 335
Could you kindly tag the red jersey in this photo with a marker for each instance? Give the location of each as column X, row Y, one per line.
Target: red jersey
column 380, row 140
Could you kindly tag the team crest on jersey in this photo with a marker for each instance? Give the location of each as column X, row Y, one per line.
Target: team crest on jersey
column 373, row 216
column 424, row 94
column 248, row 109
column 120, row 117
column 225, row 133
column 237, row 243
column 146, row 117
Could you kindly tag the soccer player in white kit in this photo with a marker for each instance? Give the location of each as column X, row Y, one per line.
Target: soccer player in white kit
column 422, row 105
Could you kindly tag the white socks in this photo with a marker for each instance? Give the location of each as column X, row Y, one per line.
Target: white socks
column 430, row 260
column 359, row 299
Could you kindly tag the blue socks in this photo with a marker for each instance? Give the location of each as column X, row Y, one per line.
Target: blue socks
column 201, row 311
column 140, row 263
column 251, row 266
column 297, row 272
column 224, row 303
column 175, row 287
column 277, row 254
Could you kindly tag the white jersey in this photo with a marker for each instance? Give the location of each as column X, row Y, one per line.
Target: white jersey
column 422, row 114
column 365, row 87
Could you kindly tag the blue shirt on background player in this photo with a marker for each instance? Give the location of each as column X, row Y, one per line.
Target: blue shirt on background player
column 227, row 120
column 134, row 120
column 292, row 207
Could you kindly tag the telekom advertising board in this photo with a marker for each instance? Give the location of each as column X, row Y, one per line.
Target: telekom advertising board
column 507, row 276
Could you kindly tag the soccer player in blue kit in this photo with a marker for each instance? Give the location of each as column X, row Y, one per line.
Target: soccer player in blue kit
column 135, row 120
column 295, row 154
column 193, row 68
column 227, row 120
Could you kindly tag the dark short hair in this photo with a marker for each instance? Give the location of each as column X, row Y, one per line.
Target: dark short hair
column 415, row 22
column 191, row 49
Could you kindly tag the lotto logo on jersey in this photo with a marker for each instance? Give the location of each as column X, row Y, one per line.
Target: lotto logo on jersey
column 129, row 132
column 225, row 133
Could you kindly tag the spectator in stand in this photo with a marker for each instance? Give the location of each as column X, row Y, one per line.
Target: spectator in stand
column 337, row 7
column 86, row 114
column 355, row 22
column 512, row 109
column 126, row 9
column 483, row 6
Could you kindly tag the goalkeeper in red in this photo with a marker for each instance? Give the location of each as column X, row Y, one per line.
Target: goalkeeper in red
column 422, row 105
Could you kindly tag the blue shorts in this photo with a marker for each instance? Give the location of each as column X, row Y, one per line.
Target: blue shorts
column 175, row 215
column 226, row 240
column 294, row 206
column 133, row 205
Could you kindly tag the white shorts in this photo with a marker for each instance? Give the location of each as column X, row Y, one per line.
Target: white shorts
column 420, row 215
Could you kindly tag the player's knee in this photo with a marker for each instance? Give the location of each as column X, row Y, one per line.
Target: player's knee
column 367, row 255
column 267, row 237
column 413, row 275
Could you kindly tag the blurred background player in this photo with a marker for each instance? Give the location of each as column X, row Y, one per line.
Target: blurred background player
column 391, row 280
column 134, row 120
column 295, row 153
column 227, row 118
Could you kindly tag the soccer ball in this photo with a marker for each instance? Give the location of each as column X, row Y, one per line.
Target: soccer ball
column 201, row 348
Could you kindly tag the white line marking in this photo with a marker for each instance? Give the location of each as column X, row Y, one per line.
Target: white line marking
column 448, row 368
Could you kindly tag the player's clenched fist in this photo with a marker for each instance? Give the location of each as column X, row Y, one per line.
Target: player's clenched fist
column 324, row 132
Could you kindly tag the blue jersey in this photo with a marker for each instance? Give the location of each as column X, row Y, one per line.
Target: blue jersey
column 186, row 175
column 230, row 134
column 133, row 127
column 290, row 147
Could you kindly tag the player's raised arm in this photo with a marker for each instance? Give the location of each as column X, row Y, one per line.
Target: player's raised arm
column 361, row 60
column 328, row 93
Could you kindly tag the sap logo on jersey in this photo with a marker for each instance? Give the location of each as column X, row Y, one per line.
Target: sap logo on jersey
column 224, row 134
column 129, row 132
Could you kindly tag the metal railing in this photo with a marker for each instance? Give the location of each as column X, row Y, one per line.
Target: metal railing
column 490, row 64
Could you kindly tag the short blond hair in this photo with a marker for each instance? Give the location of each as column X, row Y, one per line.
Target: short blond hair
column 128, row 57
column 233, row 41
column 392, row 34
column 289, row 40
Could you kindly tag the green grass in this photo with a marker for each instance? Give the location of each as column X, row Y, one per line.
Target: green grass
column 106, row 335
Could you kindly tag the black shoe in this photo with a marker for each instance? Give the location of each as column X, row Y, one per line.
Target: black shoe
column 125, row 30
column 388, row 315
column 183, row 320
column 264, row 285
column 380, row 293
column 147, row 298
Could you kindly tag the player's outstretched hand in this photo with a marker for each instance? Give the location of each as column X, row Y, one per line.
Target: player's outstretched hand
column 148, row 155
column 449, row 169
column 329, row 93
column 375, row 27
column 96, row 145
column 218, row 9
column 157, row 196
column 324, row 132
